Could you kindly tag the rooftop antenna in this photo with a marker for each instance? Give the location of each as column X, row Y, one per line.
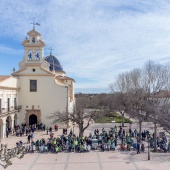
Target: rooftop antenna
column 34, row 23
column 51, row 49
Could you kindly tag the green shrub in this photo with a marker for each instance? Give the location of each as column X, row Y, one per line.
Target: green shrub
column 112, row 117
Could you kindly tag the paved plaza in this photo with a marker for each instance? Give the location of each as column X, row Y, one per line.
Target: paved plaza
column 94, row 160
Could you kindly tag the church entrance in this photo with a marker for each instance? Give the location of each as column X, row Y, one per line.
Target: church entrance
column 32, row 119
column 33, row 116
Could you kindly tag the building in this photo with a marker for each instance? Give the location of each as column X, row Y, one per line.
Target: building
column 38, row 88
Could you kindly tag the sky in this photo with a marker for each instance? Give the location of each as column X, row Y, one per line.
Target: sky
column 94, row 40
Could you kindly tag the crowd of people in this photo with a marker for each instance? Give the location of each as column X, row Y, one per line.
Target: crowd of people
column 101, row 140
column 20, row 130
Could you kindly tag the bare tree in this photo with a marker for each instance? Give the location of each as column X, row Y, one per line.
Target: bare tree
column 142, row 91
column 164, row 116
column 81, row 114
column 124, row 89
column 120, row 104
column 155, row 80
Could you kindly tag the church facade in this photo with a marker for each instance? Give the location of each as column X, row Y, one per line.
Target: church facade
column 38, row 88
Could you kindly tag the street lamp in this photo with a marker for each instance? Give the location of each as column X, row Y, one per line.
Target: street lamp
column 148, row 147
column 73, row 127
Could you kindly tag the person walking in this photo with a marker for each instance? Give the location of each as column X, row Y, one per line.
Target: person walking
column 138, row 147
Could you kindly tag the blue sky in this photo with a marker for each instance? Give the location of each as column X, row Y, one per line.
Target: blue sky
column 94, row 40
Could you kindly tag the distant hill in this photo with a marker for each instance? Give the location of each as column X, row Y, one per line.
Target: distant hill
column 91, row 90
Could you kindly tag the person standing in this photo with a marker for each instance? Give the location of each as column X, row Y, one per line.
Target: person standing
column 29, row 137
column 47, row 130
column 7, row 133
column 50, row 129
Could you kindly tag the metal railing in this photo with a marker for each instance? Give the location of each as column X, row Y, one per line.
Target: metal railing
column 11, row 109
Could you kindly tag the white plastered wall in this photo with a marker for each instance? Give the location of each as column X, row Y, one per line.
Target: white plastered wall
column 49, row 97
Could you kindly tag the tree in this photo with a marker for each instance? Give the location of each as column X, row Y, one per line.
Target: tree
column 155, row 80
column 81, row 114
column 143, row 89
column 119, row 104
column 122, row 90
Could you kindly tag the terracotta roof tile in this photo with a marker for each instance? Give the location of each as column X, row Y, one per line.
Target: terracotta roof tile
column 2, row 77
column 64, row 78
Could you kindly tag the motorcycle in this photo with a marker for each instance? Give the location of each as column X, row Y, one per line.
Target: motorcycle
column 112, row 146
column 33, row 148
column 165, row 147
column 87, row 148
column 103, row 147
column 128, row 146
column 58, row 149
column 134, row 146
column 122, row 147
column 142, row 147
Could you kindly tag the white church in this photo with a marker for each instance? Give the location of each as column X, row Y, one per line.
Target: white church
column 38, row 88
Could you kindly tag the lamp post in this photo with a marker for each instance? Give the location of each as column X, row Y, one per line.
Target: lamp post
column 148, row 148
column 73, row 127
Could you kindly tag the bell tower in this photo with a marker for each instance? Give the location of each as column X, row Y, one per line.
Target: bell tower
column 34, row 48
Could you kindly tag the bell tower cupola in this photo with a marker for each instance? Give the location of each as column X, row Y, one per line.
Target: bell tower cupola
column 34, row 47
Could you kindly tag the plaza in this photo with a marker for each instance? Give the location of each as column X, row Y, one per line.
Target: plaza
column 79, row 66
column 93, row 160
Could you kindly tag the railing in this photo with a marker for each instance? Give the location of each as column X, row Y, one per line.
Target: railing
column 11, row 109
column 18, row 107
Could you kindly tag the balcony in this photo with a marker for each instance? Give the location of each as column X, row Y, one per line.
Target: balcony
column 18, row 107
column 12, row 109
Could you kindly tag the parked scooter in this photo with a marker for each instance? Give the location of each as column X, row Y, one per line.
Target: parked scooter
column 103, row 147
column 165, row 147
column 33, row 148
column 128, row 146
column 112, row 146
column 142, row 147
column 87, row 148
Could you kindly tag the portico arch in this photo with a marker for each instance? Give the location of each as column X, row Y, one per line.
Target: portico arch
column 30, row 112
column 15, row 119
column 8, row 121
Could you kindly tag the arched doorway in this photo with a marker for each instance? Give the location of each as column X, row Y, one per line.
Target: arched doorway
column 8, row 122
column 32, row 119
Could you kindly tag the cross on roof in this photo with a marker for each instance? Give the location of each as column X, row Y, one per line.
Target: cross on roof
column 51, row 50
column 34, row 23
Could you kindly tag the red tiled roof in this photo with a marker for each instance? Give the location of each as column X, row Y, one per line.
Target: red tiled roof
column 65, row 78
column 2, row 77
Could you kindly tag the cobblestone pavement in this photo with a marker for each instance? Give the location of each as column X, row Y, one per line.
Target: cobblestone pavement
column 94, row 160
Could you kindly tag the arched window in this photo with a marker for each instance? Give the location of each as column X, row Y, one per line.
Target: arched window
column 30, row 55
column 33, row 39
column 37, row 55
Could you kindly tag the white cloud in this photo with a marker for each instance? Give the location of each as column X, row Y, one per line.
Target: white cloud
column 7, row 50
column 96, row 39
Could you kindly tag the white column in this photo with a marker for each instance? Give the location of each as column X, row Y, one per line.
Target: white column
column 12, row 122
column 3, row 130
column 3, row 127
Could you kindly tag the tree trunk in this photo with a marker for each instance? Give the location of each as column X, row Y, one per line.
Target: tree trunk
column 122, row 119
column 155, row 137
column 81, row 131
